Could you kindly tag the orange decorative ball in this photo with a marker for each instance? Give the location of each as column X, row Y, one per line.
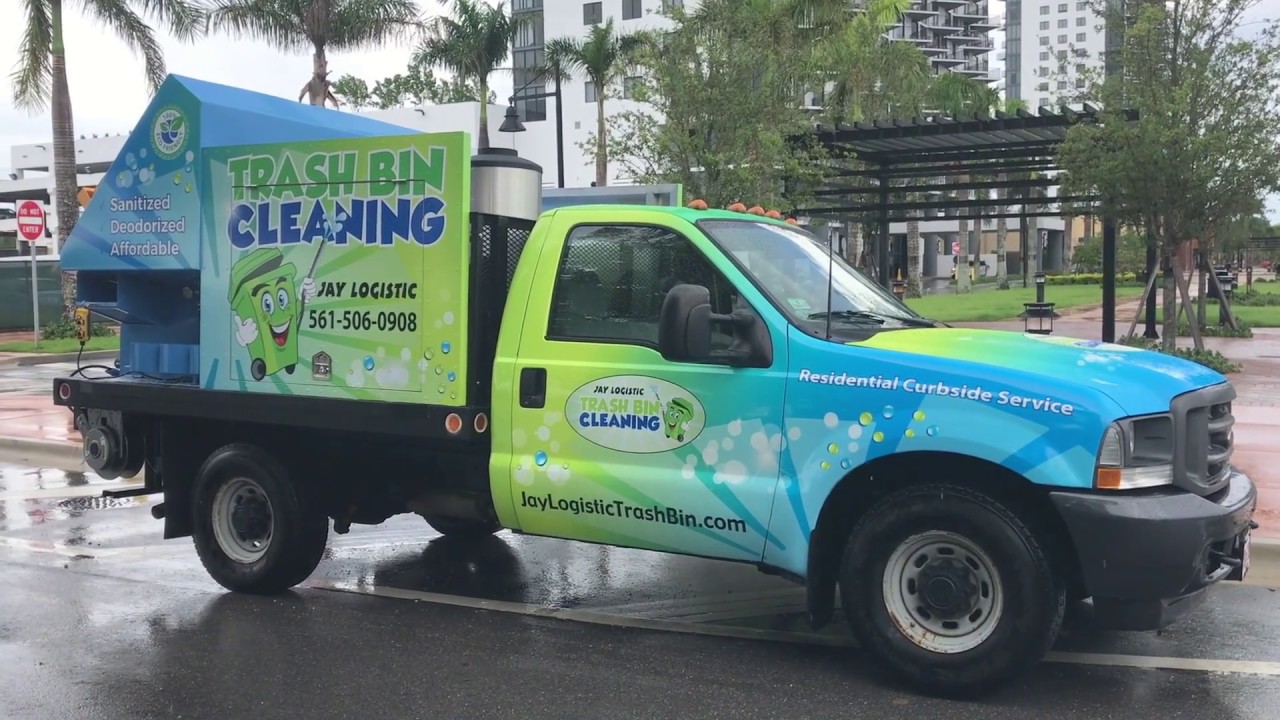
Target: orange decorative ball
column 698, row 204
column 737, row 207
column 792, row 221
column 756, row 210
column 774, row 214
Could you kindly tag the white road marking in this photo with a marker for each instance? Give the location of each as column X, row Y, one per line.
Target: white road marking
column 65, row 491
column 1153, row 662
column 597, row 617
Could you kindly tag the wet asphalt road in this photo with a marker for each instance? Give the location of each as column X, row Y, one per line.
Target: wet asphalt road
column 99, row 618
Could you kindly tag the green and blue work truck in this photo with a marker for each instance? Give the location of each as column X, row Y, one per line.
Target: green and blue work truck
column 329, row 319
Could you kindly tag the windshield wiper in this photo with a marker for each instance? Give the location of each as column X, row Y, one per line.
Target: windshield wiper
column 878, row 318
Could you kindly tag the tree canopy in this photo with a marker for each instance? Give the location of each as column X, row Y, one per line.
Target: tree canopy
column 1206, row 145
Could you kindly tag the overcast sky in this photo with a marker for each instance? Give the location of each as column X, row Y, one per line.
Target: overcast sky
column 108, row 91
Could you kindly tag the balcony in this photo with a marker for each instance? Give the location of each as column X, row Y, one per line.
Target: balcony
column 948, row 60
column 920, row 12
column 943, row 25
column 973, row 43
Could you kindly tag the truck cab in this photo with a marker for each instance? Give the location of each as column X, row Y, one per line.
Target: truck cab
column 408, row 332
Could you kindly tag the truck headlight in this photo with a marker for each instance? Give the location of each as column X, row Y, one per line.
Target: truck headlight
column 1136, row 453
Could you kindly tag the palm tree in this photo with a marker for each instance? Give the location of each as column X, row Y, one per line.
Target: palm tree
column 317, row 25
column 40, row 79
column 1011, row 106
column 472, row 42
column 953, row 95
column 603, row 57
column 878, row 78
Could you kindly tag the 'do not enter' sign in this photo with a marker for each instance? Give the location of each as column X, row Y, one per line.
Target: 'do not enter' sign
column 30, row 220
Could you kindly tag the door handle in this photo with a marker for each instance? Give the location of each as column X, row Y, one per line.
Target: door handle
column 533, row 387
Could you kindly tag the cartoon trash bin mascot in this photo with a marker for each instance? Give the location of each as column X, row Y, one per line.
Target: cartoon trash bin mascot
column 676, row 418
column 265, row 310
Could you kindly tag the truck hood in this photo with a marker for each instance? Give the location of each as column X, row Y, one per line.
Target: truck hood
column 1139, row 381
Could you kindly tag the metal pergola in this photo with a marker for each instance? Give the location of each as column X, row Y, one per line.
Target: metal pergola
column 890, row 171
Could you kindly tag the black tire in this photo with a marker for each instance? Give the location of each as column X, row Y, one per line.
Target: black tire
column 462, row 528
column 298, row 534
column 1033, row 600
column 258, row 368
column 290, row 368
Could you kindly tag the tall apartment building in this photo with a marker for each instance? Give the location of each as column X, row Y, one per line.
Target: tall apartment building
column 1048, row 43
column 954, row 34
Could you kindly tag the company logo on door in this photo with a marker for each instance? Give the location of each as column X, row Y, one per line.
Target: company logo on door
column 635, row 414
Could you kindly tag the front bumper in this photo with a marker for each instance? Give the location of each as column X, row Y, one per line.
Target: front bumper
column 1148, row 559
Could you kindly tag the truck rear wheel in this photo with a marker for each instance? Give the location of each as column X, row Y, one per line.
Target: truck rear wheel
column 459, row 527
column 950, row 588
column 254, row 529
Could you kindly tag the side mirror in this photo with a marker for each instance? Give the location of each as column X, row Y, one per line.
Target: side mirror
column 684, row 326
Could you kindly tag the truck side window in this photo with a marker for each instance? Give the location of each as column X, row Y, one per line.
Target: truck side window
column 613, row 278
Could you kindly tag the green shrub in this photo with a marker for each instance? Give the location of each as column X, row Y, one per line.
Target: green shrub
column 1211, row 359
column 1243, row 330
column 1256, row 299
column 1090, row 279
column 62, row 329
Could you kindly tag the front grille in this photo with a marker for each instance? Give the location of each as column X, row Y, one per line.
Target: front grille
column 1203, row 427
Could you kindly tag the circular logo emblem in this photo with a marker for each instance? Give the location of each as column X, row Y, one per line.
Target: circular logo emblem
column 169, row 133
column 635, row 414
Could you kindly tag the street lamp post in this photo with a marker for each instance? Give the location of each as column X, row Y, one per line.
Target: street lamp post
column 511, row 121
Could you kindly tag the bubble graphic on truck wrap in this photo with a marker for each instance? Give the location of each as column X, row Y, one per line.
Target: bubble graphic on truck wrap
column 918, row 415
column 452, row 376
column 847, row 463
column 405, row 354
column 735, row 428
column 865, row 418
column 826, row 465
column 428, row 353
column 833, row 448
column 368, row 363
column 131, row 160
column 877, row 436
column 855, row 431
column 910, row 433
column 448, row 318
column 558, row 474
column 177, row 178
column 439, row 370
column 831, row 419
column 853, row 447
column 543, row 433
column 731, row 473
column 524, row 472
column 887, row 412
column 540, row 458
column 124, row 179
column 423, row 365
column 441, row 389
column 187, row 188
column 190, row 156
column 445, row 347
column 932, row 431
column 711, row 453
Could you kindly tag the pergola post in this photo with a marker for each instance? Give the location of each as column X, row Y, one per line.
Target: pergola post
column 882, row 214
column 1109, row 277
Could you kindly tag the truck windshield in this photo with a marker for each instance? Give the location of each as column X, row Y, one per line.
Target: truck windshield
column 791, row 266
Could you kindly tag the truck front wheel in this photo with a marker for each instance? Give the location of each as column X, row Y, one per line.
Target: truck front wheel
column 254, row 529
column 950, row 588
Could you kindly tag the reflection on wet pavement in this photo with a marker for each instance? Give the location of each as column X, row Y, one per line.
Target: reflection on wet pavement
column 58, row 520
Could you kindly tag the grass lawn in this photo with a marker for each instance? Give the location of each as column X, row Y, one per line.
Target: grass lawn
column 988, row 305
column 64, row 345
column 1255, row 315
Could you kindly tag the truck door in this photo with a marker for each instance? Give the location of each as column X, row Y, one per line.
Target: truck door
column 611, row 442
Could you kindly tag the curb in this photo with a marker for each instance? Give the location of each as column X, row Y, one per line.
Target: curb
column 68, row 457
column 30, row 359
